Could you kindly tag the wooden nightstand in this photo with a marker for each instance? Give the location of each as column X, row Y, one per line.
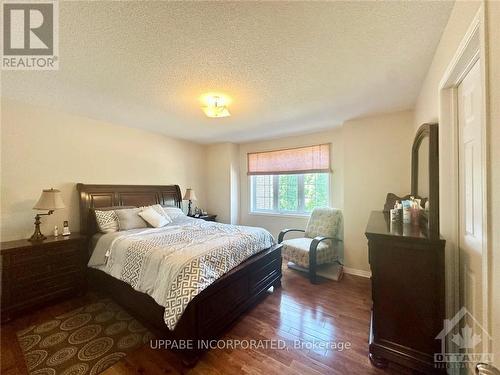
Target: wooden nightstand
column 205, row 217
column 34, row 273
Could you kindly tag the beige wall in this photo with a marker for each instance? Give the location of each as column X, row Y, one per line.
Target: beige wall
column 218, row 182
column 234, row 154
column 377, row 160
column 223, row 181
column 42, row 148
column 427, row 105
column 370, row 157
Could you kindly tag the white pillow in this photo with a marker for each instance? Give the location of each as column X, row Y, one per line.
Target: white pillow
column 173, row 212
column 159, row 209
column 153, row 218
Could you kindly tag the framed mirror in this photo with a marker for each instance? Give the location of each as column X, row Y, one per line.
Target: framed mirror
column 425, row 174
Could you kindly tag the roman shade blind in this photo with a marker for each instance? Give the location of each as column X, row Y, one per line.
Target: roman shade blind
column 310, row 159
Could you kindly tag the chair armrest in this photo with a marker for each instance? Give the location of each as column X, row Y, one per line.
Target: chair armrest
column 312, row 254
column 285, row 231
column 314, row 244
column 316, row 241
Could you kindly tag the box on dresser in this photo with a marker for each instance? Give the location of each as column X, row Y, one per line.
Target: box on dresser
column 34, row 273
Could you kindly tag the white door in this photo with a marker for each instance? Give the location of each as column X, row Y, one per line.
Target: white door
column 471, row 188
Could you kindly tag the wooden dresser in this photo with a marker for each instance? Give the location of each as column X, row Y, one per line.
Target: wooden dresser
column 207, row 217
column 408, row 292
column 34, row 273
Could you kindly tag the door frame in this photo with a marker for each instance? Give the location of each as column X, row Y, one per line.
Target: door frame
column 471, row 49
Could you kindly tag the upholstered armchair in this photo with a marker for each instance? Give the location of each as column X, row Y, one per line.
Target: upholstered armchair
column 322, row 242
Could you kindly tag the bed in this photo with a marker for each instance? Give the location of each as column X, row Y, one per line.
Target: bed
column 212, row 310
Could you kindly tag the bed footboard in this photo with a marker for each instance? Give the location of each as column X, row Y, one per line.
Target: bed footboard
column 209, row 314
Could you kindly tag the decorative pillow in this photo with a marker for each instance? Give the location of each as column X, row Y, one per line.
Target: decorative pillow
column 107, row 221
column 153, row 217
column 173, row 212
column 130, row 219
column 159, row 209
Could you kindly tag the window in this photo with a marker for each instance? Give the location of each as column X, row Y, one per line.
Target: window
column 290, row 181
column 290, row 193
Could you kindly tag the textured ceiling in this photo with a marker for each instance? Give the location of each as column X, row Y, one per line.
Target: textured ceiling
column 289, row 67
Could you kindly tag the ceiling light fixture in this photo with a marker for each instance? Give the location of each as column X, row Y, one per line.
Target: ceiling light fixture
column 216, row 106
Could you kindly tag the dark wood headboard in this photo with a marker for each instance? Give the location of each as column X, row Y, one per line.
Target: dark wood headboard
column 95, row 196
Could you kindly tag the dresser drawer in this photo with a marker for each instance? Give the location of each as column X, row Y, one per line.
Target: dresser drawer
column 62, row 280
column 36, row 287
column 27, row 256
column 38, row 255
column 45, row 280
column 63, row 250
column 41, row 270
column 50, row 262
column 19, row 273
column 35, row 273
column 73, row 263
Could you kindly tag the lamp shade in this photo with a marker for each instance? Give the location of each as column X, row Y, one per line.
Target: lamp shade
column 50, row 200
column 190, row 195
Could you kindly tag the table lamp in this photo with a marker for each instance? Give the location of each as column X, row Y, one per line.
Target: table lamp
column 50, row 200
column 189, row 196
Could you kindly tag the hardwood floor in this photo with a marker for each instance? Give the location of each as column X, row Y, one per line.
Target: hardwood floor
column 297, row 313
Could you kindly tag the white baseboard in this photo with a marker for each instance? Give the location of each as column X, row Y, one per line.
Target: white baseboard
column 356, row 272
column 328, row 271
column 332, row 271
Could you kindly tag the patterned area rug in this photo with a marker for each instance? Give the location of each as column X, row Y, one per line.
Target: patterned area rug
column 87, row 340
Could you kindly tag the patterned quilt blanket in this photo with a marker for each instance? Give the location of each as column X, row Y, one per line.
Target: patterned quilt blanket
column 175, row 263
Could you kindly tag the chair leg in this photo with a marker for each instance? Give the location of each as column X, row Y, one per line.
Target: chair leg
column 312, row 276
column 312, row 262
column 312, row 272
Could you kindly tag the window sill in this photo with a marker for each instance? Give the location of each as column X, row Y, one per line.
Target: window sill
column 276, row 214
